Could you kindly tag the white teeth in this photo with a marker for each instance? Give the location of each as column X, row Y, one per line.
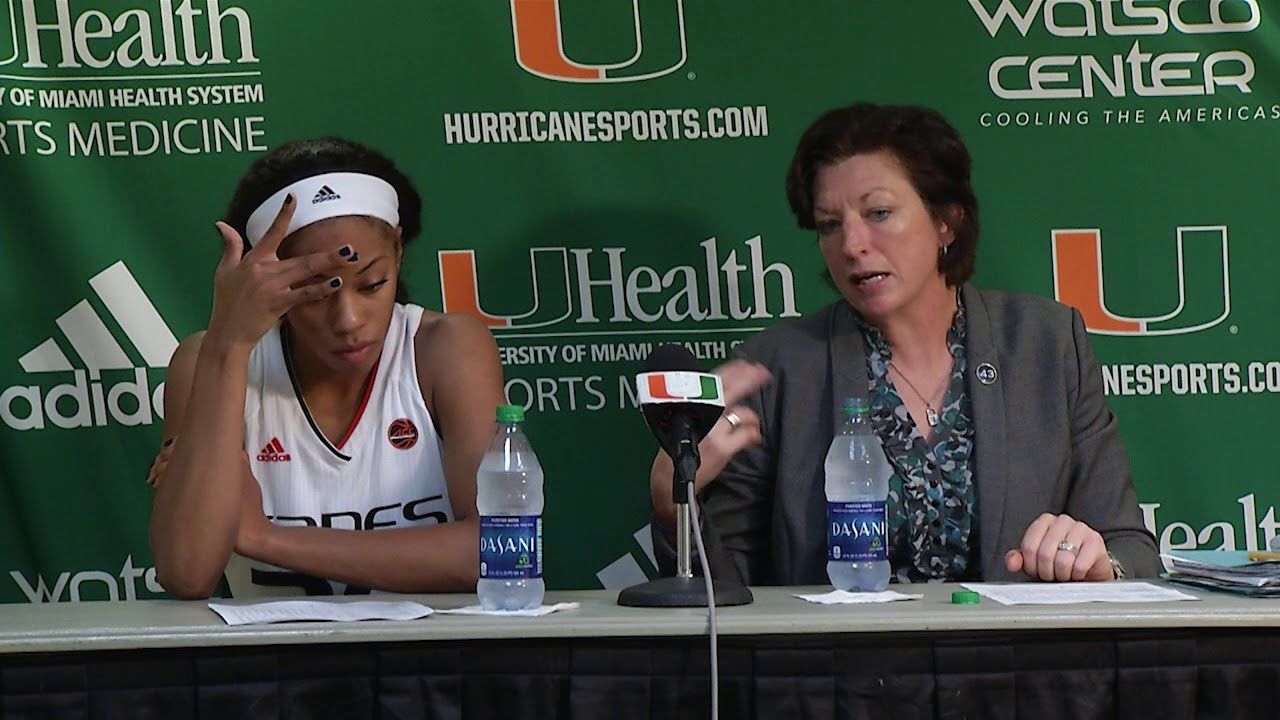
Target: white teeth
column 872, row 278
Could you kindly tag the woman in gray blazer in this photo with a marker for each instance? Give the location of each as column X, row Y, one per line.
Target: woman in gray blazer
column 1007, row 462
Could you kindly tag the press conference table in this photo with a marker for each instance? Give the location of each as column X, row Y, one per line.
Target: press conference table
column 779, row 657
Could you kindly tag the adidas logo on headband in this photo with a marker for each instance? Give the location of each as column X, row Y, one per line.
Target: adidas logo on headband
column 325, row 193
column 366, row 195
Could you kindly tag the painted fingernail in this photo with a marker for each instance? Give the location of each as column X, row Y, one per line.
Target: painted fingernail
column 168, row 442
column 336, row 282
column 345, row 250
column 354, row 257
column 288, row 199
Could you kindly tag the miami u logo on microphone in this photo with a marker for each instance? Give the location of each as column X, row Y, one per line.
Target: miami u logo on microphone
column 680, row 386
column 658, row 49
column 1203, row 290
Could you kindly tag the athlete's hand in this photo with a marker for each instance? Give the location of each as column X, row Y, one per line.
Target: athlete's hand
column 254, row 523
column 161, row 462
column 250, row 293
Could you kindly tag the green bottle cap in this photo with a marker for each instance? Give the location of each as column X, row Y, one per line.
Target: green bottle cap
column 510, row 413
column 855, row 406
column 965, row 597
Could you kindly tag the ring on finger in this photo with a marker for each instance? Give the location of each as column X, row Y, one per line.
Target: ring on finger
column 1069, row 546
column 732, row 418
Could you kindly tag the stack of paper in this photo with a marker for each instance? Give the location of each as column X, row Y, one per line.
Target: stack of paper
column 1255, row 574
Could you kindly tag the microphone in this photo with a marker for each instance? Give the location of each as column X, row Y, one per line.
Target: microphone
column 680, row 405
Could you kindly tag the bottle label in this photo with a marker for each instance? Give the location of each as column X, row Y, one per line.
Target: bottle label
column 510, row 547
column 857, row 531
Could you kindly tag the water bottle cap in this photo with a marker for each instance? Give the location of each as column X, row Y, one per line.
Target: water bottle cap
column 854, row 406
column 510, row 413
column 965, row 597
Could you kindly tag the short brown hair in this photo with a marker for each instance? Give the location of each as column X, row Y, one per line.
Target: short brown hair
column 930, row 150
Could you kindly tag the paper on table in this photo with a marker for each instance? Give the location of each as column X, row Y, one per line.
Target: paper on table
column 532, row 612
column 1080, row 592
column 296, row 610
column 844, row 597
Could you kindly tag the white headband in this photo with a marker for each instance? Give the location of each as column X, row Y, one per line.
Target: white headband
column 327, row 196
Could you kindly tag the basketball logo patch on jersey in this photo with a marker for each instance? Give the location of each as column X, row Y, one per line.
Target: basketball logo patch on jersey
column 402, row 433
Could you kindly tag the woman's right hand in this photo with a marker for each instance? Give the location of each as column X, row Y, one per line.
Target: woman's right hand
column 252, row 290
column 739, row 378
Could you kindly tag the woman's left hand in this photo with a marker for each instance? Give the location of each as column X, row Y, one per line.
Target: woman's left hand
column 161, row 463
column 1059, row 548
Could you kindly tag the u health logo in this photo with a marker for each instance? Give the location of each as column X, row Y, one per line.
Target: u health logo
column 1203, row 289
column 96, row 38
column 602, row 285
column 659, row 47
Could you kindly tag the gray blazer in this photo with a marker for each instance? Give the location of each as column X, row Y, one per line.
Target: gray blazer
column 1045, row 441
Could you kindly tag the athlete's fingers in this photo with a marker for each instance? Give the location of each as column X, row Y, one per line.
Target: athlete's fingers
column 295, row 270
column 232, row 246
column 309, row 292
column 269, row 243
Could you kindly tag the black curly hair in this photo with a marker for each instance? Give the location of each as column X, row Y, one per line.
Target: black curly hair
column 300, row 159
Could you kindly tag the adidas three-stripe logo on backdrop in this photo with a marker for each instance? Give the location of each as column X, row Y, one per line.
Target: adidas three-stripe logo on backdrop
column 89, row 400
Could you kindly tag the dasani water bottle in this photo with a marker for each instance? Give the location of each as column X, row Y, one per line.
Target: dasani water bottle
column 857, row 486
column 509, row 500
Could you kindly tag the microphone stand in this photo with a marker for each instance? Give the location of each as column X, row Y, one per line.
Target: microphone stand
column 683, row 589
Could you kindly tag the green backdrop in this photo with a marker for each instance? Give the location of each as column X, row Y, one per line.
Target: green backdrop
column 604, row 175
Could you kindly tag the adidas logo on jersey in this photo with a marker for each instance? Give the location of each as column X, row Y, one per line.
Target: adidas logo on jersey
column 85, row 402
column 273, row 452
column 325, row 193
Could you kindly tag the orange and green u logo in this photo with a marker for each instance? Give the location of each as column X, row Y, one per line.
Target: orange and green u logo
column 658, row 389
column 1203, row 285
column 658, row 48
column 549, row 273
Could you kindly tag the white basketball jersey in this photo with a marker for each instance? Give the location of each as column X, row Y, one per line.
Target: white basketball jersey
column 387, row 472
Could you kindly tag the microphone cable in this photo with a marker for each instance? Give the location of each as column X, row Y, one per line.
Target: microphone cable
column 696, row 522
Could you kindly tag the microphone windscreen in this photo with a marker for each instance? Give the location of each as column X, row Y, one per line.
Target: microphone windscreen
column 670, row 357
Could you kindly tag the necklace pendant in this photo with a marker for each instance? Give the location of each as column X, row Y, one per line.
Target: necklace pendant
column 931, row 415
